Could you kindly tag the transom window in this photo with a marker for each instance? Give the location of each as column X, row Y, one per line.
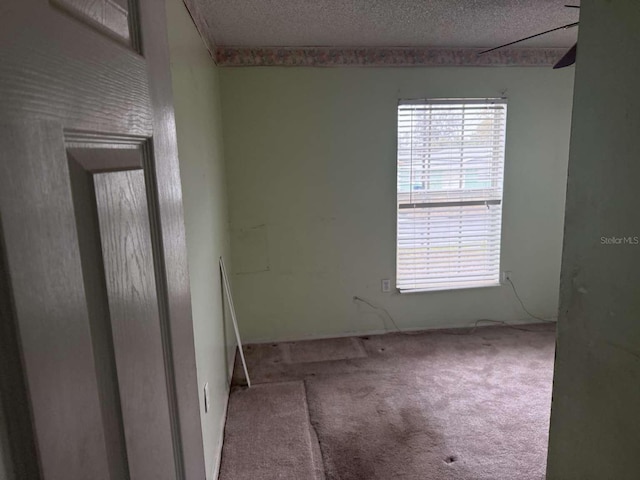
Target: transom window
column 450, row 175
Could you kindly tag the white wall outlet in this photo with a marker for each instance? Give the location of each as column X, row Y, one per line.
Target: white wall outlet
column 386, row 285
column 207, row 398
column 506, row 276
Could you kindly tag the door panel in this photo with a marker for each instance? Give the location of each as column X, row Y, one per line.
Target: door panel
column 95, row 282
column 131, row 289
column 114, row 16
column 86, row 213
column 49, row 301
column 18, row 450
column 57, row 66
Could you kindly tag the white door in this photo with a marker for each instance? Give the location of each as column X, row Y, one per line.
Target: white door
column 97, row 342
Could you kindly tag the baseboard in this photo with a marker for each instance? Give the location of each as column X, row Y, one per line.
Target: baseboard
column 359, row 333
column 218, row 460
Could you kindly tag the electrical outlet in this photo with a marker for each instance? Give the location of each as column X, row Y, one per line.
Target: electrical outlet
column 386, row 285
column 506, row 276
column 207, row 401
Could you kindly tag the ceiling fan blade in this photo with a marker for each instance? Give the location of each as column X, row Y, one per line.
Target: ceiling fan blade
column 569, row 58
column 569, row 25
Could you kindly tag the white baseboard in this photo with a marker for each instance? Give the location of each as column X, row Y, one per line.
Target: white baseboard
column 218, row 460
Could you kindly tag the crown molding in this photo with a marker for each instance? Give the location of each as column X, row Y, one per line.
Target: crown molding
column 384, row 57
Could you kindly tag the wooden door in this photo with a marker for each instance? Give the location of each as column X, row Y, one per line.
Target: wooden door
column 98, row 367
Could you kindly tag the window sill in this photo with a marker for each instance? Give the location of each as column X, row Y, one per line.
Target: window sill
column 449, row 288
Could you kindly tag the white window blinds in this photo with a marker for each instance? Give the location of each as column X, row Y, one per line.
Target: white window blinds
column 450, row 173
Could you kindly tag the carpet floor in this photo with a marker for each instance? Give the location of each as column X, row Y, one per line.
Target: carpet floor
column 436, row 405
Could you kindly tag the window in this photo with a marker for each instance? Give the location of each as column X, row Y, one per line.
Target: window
column 450, row 171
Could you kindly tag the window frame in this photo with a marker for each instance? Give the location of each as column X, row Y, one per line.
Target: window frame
column 500, row 201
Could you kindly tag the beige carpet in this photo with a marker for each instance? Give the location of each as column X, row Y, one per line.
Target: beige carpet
column 270, row 435
column 442, row 405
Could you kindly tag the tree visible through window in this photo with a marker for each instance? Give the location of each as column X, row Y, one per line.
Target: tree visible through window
column 450, row 174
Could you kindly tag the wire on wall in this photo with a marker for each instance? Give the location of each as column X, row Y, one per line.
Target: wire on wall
column 381, row 309
column 475, row 325
column 513, row 287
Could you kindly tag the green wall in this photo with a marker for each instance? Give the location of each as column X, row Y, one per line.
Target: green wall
column 310, row 156
column 200, row 148
column 595, row 414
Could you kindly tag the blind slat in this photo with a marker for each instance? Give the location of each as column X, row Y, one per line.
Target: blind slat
column 450, row 172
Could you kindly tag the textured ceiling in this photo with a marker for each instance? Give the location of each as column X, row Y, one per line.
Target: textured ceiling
column 382, row 23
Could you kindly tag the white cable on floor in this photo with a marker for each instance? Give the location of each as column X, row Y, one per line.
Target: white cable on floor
column 232, row 309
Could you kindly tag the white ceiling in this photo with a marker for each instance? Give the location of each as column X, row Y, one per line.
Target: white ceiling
column 382, row 23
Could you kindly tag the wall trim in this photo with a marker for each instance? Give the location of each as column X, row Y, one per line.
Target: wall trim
column 217, row 462
column 384, row 57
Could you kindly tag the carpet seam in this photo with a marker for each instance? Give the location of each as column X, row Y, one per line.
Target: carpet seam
column 315, row 431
